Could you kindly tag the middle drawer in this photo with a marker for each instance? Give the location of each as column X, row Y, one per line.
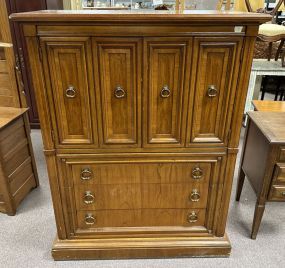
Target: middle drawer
column 134, row 196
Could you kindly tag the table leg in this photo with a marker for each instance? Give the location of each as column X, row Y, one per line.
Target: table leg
column 258, row 213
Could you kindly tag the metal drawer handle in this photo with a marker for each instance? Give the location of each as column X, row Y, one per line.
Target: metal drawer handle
column 165, row 92
column 119, row 92
column 70, row 92
column 192, row 217
column 212, row 91
column 197, row 173
column 88, row 198
column 195, row 195
column 90, row 219
column 86, row 174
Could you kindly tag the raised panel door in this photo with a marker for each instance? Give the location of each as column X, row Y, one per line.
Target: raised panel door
column 71, row 80
column 119, row 81
column 213, row 87
column 165, row 91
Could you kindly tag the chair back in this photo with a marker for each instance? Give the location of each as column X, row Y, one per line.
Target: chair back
column 254, row 5
column 224, row 4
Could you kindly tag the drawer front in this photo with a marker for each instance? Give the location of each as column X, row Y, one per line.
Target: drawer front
column 119, row 79
column 126, row 173
column 214, row 76
column 71, row 86
column 141, row 217
column 140, row 192
column 282, row 154
column 133, row 196
column 277, row 193
column 165, row 91
column 279, row 174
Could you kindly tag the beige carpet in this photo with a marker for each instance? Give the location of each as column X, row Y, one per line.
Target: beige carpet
column 26, row 239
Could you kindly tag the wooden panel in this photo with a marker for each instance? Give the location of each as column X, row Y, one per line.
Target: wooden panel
column 118, row 62
column 70, row 78
column 282, row 154
column 279, row 174
column 124, row 173
column 165, row 95
column 144, row 217
column 215, row 65
column 277, row 193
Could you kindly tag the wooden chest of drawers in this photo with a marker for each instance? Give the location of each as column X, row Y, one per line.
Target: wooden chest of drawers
column 18, row 174
column 140, row 115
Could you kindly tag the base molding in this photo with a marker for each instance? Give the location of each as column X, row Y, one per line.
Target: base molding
column 140, row 247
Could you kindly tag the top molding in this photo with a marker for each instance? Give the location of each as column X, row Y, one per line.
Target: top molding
column 190, row 16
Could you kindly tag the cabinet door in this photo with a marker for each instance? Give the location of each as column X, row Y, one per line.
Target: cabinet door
column 119, row 80
column 213, row 87
column 70, row 83
column 165, row 91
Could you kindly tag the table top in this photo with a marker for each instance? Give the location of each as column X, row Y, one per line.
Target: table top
column 8, row 114
column 269, row 106
column 271, row 124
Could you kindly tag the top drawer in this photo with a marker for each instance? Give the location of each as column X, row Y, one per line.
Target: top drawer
column 125, row 173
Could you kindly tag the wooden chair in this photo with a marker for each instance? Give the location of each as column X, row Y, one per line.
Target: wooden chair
column 268, row 32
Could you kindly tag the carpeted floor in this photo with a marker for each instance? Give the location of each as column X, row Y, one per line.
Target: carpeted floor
column 26, row 239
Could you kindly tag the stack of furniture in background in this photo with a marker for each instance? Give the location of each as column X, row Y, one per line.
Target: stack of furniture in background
column 14, row 6
column 18, row 174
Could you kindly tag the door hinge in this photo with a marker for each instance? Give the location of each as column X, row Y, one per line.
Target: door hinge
column 229, row 135
column 40, row 50
column 52, row 135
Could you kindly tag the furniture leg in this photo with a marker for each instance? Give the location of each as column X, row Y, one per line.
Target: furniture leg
column 258, row 213
column 269, row 51
column 279, row 49
column 241, row 178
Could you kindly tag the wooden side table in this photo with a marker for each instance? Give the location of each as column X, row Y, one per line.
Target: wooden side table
column 263, row 161
column 18, row 174
column 269, row 106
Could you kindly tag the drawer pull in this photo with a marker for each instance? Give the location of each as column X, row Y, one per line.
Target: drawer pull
column 195, row 195
column 119, row 92
column 90, row 219
column 165, row 92
column 192, row 217
column 197, row 173
column 70, row 92
column 212, row 91
column 283, row 194
column 86, row 174
column 89, row 198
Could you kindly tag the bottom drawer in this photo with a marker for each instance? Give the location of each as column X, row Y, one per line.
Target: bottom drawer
column 141, row 217
column 277, row 193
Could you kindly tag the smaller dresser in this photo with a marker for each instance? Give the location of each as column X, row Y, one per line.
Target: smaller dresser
column 263, row 161
column 18, row 174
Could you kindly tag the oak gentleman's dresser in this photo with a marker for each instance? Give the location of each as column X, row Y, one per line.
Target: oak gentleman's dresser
column 140, row 115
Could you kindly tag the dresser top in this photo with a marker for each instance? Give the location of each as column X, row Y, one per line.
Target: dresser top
column 271, row 124
column 143, row 15
column 8, row 114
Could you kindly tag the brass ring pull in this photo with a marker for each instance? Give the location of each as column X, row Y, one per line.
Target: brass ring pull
column 88, row 198
column 70, row 92
column 90, row 219
column 86, row 174
column 165, row 92
column 212, row 91
column 195, row 195
column 197, row 173
column 192, row 217
column 119, row 92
